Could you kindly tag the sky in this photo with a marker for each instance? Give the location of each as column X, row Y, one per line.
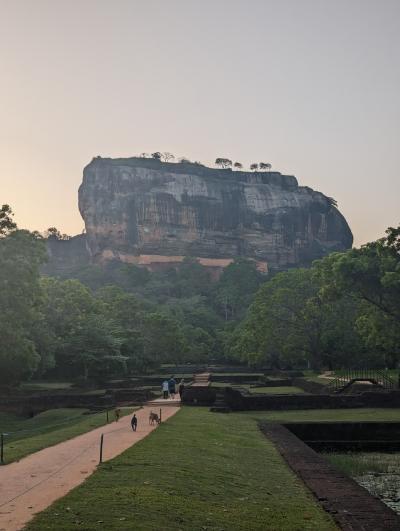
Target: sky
column 311, row 86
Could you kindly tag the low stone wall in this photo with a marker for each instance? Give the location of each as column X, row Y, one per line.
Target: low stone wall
column 309, row 386
column 287, row 382
column 239, row 402
column 199, row 396
column 351, row 506
column 135, row 396
column 283, row 373
column 136, row 382
column 232, row 369
column 33, row 404
column 236, row 378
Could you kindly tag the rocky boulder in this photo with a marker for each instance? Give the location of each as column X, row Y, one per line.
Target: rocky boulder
column 135, row 208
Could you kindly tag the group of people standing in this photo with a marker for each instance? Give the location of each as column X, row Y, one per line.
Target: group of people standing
column 169, row 388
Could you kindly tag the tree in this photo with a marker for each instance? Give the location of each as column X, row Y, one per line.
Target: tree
column 289, row 323
column 191, row 279
column 223, row 162
column 236, row 287
column 7, row 224
column 392, row 240
column 199, row 344
column 254, row 166
column 21, row 255
column 238, row 165
column 381, row 334
column 332, row 201
column 265, row 166
column 166, row 156
column 94, row 348
column 144, row 155
column 54, row 233
column 156, row 155
column 162, row 341
column 88, row 341
column 129, row 314
column 371, row 275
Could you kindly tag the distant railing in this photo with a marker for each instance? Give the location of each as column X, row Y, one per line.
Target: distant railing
column 350, row 376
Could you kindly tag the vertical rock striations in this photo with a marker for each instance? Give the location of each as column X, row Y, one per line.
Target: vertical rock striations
column 135, row 209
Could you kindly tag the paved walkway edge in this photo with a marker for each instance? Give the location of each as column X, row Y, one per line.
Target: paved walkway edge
column 32, row 484
column 351, row 506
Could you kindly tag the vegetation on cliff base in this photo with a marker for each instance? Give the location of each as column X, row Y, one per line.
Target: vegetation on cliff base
column 344, row 311
column 21, row 254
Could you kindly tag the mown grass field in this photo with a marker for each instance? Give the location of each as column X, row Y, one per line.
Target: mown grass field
column 45, row 386
column 198, row 471
column 24, row 436
column 282, row 390
column 319, row 415
column 278, row 390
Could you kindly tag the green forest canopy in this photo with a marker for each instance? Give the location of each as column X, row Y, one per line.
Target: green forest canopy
column 344, row 310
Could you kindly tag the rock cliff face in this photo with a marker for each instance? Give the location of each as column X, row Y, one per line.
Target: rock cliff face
column 135, row 208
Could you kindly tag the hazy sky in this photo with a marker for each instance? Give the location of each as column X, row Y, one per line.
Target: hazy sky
column 312, row 86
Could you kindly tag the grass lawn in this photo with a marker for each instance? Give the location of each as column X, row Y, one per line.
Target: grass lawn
column 26, row 436
column 45, row 386
column 284, row 390
column 318, row 379
column 254, row 375
column 319, row 415
column 281, row 390
column 198, row 471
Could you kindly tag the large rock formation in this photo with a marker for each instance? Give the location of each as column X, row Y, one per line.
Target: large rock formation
column 145, row 211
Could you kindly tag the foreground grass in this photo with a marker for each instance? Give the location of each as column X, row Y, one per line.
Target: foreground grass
column 198, row 471
column 360, row 463
column 283, row 390
column 319, row 415
column 25, row 436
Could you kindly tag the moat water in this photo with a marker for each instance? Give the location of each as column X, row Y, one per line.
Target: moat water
column 383, row 485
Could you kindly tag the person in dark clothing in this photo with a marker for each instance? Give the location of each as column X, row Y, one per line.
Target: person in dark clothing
column 134, row 422
column 181, row 388
column 171, row 387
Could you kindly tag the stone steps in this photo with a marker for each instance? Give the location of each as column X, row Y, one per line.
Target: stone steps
column 201, row 380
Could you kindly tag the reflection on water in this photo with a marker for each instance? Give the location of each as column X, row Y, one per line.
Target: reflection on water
column 383, row 485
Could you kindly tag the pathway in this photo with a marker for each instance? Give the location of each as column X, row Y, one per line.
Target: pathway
column 163, row 402
column 201, row 380
column 32, row 484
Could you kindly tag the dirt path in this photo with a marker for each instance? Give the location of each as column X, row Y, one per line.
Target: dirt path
column 32, row 484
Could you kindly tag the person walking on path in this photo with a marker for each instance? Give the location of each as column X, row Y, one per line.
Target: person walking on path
column 134, row 422
column 181, row 388
column 117, row 414
column 171, row 387
column 165, row 389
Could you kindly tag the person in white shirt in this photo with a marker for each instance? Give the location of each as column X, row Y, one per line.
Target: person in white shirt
column 165, row 389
